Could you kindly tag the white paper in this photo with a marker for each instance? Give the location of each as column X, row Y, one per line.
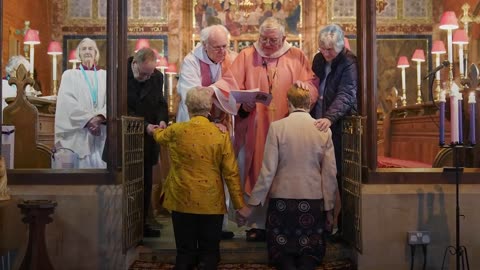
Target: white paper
column 252, row 95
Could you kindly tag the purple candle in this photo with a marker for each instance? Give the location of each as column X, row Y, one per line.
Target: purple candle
column 472, row 104
column 442, row 117
column 460, row 119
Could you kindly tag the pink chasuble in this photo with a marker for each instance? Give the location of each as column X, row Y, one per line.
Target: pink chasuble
column 249, row 73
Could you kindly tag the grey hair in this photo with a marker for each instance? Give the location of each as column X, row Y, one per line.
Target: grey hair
column 332, row 35
column 145, row 55
column 207, row 31
column 199, row 101
column 97, row 52
column 272, row 23
column 14, row 62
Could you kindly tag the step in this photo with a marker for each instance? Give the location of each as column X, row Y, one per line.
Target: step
column 236, row 250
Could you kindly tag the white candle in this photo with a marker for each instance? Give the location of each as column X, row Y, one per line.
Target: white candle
column 450, row 46
column 460, row 59
column 437, row 63
column 418, row 73
column 32, row 57
column 454, row 114
column 54, row 67
column 403, row 78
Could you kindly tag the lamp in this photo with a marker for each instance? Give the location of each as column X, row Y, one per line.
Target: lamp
column 403, row 64
column 419, row 57
column 460, row 38
column 438, row 48
column 72, row 58
column 141, row 43
column 449, row 22
column 346, row 43
column 54, row 49
column 31, row 38
column 170, row 71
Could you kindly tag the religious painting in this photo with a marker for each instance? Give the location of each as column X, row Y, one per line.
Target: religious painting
column 243, row 17
column 388, row 11
column 157, row 42
column 389, row 49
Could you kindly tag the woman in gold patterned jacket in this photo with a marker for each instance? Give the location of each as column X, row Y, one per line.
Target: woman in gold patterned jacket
column 202, row 157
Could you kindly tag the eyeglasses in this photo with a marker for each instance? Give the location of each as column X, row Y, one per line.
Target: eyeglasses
column 326, row 50
column 265, row 40
column 218, row 48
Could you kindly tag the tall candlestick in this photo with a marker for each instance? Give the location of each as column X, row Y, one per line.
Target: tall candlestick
column 460, row 59
column 460, row 118
column 472, row 103
column 419, row 83
column 54, row 67
column 442, row 102
column 170, row 92
column 193, row 41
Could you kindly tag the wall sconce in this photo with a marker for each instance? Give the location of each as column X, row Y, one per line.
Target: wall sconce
column 54, row 49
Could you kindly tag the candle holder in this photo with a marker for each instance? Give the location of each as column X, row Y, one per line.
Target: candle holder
column 403, row 64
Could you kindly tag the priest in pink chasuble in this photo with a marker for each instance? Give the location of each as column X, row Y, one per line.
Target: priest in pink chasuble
column 272, row 65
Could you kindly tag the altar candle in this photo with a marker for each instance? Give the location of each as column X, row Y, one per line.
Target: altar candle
column 454, row 114
column 437, row 63
column 442, row 101
column 403, row 79
column 449, row 46
column 460, row 118
column 54, row 65
column 419, row 81
column 460, row 59
column 472, row 103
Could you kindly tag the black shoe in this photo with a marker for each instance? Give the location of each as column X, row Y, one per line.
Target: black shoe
column 256, row 235
column 227, row 235
column 149, row 232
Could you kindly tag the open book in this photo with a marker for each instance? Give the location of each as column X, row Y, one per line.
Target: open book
column 252, row 95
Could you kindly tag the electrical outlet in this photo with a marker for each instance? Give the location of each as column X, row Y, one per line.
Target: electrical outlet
column 418, row 237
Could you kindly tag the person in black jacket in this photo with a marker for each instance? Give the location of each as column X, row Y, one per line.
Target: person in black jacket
column 145, row 99
column 336, row 69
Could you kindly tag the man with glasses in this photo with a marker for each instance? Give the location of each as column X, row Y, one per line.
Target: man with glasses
column 336, row 73
column 272, row 65
column 145, row 99
column 203, row 66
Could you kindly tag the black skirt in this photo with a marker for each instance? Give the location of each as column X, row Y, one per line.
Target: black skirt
column 295, row 227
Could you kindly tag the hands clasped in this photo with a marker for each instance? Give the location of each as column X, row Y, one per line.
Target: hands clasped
column 241, row 215
column 93, row 125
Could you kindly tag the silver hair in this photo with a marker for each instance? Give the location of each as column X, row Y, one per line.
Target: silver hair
column 207, row 31
column 332, row 35
column 199, row 101
column 145, row 55
column 97, row 52
column 14, row 62
column 272, row 23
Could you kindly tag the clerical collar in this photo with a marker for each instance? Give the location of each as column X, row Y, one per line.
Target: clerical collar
column 93, row 67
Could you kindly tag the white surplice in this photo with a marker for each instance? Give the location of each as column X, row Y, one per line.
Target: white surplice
column 190, row 76
column 74, row 109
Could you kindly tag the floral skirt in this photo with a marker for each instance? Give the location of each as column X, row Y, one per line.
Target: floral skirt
column 295, row 227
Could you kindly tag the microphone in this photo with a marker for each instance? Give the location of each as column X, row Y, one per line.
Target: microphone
column 444, row 64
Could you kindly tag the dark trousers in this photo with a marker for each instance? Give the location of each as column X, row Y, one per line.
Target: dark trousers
column 197, row 238
column 296, row 263
column 147, row 190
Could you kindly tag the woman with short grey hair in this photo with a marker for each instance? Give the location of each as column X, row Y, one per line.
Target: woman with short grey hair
column 331, row 36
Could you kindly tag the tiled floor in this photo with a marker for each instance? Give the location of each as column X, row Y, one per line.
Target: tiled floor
column 236, row 250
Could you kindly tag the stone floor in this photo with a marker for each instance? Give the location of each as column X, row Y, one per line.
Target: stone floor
column 236, row 250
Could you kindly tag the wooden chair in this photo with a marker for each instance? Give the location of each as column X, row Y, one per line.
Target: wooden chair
column 25, row 117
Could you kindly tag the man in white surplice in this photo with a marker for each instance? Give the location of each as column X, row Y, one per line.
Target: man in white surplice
column 81, row 108
column 203, row 66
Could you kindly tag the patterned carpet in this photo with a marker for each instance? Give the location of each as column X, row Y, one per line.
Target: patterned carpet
column 142, row 265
